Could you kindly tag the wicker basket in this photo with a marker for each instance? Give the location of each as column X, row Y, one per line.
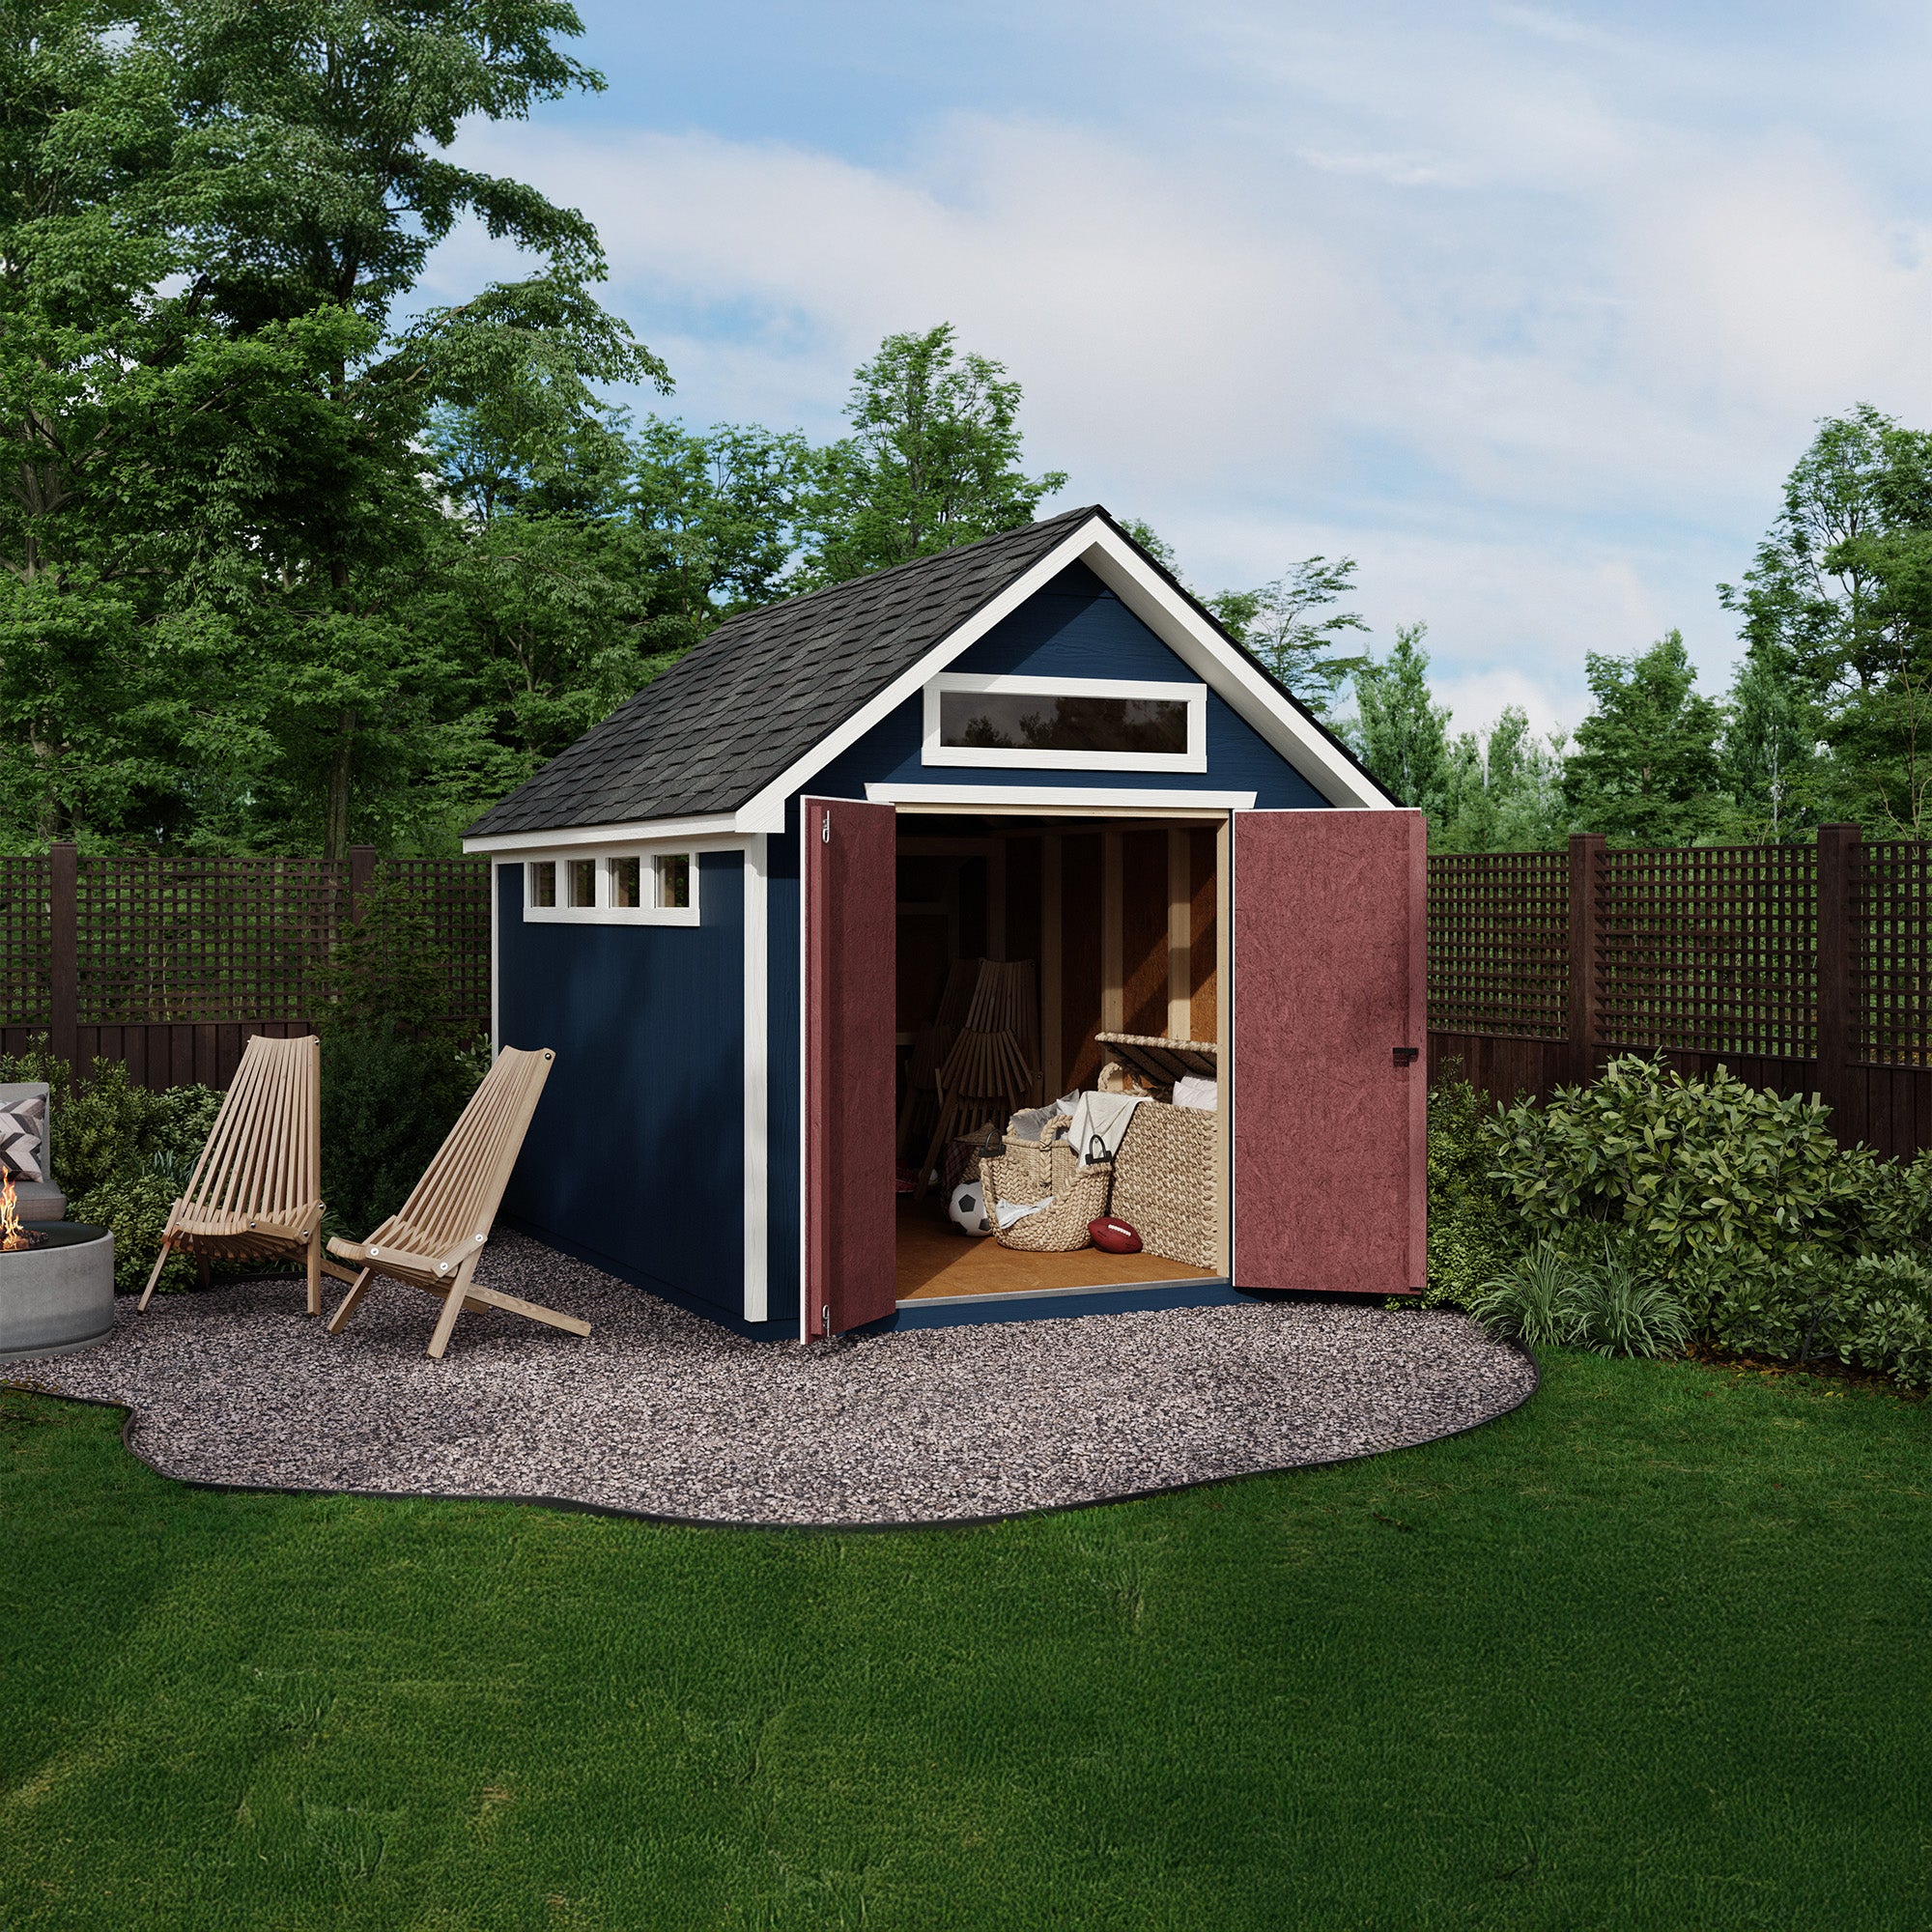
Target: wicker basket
column 1164, row 1182
column 1060, row 1228
column 1032, row 1169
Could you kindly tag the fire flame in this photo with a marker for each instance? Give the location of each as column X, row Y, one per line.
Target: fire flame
column 12, row 1235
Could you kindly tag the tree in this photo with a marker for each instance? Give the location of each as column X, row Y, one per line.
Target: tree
column 1504, row 790
column 1401, row 732
column 933, row 460
column 1645, row 767
column 1767, row 760
column 1280, row 624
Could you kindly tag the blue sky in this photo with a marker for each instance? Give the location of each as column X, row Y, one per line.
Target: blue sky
column 1529, row 310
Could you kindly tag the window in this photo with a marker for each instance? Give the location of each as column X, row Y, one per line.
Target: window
column 620, row 889
column 673, row 880
column 1069, row 723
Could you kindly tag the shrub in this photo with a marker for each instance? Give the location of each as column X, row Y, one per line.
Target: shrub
column 1528, row 1301
column 386, row 1104
column 1698, row 1170
column 1617, row 1306
column 1473, row 1233
column 387, row 974
column 1883, row 1317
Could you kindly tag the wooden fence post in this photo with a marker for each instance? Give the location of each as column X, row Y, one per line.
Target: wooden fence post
column 361, row 871
column 63, row 952
column 1585, row 848
column 1838, row 865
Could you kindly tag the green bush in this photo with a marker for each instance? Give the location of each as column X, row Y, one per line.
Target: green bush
column 1697, row 1168
column 1529, row 1302
column 1611, row 1304
column 386, row 1104
column 1882, row 1318
column 1473, row 1233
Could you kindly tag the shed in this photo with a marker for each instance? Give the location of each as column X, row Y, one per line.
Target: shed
column 736, row 907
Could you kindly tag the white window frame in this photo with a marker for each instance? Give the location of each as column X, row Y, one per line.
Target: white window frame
column 604, row 912
column 1193, row 696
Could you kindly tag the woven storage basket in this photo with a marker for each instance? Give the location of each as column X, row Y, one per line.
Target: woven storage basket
column 1032, row 1169
column 1164, row 1182
column 1062, row 1228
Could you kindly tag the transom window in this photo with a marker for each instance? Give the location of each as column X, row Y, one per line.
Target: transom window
column 1072, row 723
column 618, row 889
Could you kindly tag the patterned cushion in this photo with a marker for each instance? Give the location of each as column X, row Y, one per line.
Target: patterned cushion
column 23, row 1127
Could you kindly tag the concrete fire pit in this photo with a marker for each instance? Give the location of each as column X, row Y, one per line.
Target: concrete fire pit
column 60, row 1297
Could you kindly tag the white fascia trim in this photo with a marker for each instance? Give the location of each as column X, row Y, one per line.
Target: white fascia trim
column 758, row 1073
column 582, row 838
column 1167, row 613
column 1064, row 798
column 1193, row 696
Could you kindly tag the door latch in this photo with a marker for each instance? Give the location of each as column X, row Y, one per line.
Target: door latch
column 1405, row 1054
column 825, row 828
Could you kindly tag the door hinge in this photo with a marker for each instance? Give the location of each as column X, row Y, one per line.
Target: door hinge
column 825, row 1318
column 1405, row 1054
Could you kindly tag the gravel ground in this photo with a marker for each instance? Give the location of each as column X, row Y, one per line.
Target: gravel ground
column 665, row 1414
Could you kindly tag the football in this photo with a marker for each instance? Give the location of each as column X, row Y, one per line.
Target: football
column 967, row 1210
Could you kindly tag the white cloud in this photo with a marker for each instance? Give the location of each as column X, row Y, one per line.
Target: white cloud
column 1527, row 316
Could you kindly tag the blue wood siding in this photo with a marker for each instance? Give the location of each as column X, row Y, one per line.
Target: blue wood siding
column 1076, row 627
column 636, row 1158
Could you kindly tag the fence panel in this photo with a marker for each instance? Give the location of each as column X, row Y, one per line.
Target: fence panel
column 1498, row 944
column 169, row 965
column 1800, row 968
column 1708, row 950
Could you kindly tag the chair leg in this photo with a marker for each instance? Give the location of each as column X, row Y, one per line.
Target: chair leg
column 451, row 1309
column 313, row 1258
column 349, row 1300
column 160, row 1261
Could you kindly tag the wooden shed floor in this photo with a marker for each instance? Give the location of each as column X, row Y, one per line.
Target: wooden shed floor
column 934, row 1259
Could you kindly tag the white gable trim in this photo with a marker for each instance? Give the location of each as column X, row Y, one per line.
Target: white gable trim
column 1168, row 614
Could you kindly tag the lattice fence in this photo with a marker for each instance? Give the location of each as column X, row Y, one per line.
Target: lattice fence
column 1499, row 944
column 1708, row 950
column 25, row 963
column 1891, row 1016
column 204, row 939
column 197, row 941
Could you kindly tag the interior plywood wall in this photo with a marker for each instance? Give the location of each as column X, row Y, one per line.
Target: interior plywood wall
column 1123, row 922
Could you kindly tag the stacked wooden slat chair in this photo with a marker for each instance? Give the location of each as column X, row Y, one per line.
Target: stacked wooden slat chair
column 437, row 1238
column 988, row 1072
column 931, row 1046
column 256, row 1192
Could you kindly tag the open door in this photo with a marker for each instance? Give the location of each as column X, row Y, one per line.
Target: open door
column 850, row 881
column 1329, row 1023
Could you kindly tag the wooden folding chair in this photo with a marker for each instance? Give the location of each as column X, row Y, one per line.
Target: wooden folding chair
column 256, row 1192
column 437, row 1240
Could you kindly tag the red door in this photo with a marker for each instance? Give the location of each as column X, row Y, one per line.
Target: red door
column 850, row 1235
column 1329, row 1024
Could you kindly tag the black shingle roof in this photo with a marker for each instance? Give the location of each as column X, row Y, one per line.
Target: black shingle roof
column 728, row 718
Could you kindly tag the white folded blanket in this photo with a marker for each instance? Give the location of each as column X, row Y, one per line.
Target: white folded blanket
column 1103, row 1114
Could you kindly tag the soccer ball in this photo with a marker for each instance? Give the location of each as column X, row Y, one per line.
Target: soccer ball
column 967, row 1210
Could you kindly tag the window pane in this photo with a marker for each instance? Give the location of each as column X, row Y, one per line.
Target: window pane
column 1020, row 721
column 673, row 879
column 626, row 882
column 584, row 882
column 542, row 882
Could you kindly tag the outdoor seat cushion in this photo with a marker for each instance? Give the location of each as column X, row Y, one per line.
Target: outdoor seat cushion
column 39, row 1201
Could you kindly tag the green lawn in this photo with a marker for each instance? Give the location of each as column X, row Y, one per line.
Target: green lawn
column 1652, row 1650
